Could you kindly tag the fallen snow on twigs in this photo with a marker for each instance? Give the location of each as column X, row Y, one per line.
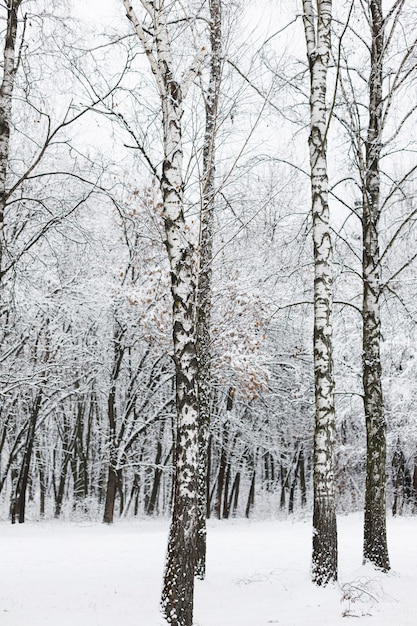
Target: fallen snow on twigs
column 360, row 595
column 61, row 574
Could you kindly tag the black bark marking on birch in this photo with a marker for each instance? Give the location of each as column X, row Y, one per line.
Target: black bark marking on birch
column 174, row 93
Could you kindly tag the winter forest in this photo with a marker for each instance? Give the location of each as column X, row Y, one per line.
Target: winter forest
column 208, row 225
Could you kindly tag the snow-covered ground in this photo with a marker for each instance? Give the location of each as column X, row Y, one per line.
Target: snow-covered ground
column 61, row 574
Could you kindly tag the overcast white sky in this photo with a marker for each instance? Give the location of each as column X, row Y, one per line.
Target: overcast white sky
column 259, row 19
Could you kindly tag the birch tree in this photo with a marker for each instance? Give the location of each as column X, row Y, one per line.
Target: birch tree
column 317, row 25
column 204, row 286
column 178, row 588
column 10, row 65
column 379, row 122
column 375, row 547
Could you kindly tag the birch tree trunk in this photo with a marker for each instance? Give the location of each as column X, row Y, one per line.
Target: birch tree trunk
column 375, row 547
column 204, row 287
column 178, row 587
column 178, row 590
column 324, row 559
column 6, row 93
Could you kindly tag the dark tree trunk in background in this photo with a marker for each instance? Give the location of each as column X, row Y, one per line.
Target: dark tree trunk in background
column 153, row 499
column 251, row 496
column 112, row 477
column 208, row 476
column 401, row 481
column 303, row 487
column 112, row 480
column 222, row 473
column 19, row 499
column 42, row 483
column 234, row 494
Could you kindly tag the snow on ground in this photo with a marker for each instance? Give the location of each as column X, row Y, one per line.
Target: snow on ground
column 258, row 574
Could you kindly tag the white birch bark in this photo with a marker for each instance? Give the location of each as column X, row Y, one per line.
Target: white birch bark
column 324, row 558
column 375, row 547
column 178, row 588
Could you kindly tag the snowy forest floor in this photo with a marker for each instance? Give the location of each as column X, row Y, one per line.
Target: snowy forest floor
column 89, row 574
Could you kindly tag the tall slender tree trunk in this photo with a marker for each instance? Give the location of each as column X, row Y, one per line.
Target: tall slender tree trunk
column 177, row 599
column 178, row 590
column 317, row 25
column 6, row 93
column 375, row 547
column 113, row 475
column 204, row 287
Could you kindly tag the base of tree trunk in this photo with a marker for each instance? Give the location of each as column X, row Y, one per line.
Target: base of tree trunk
column 375, row 549
column 324, row 562
column 177, row 600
